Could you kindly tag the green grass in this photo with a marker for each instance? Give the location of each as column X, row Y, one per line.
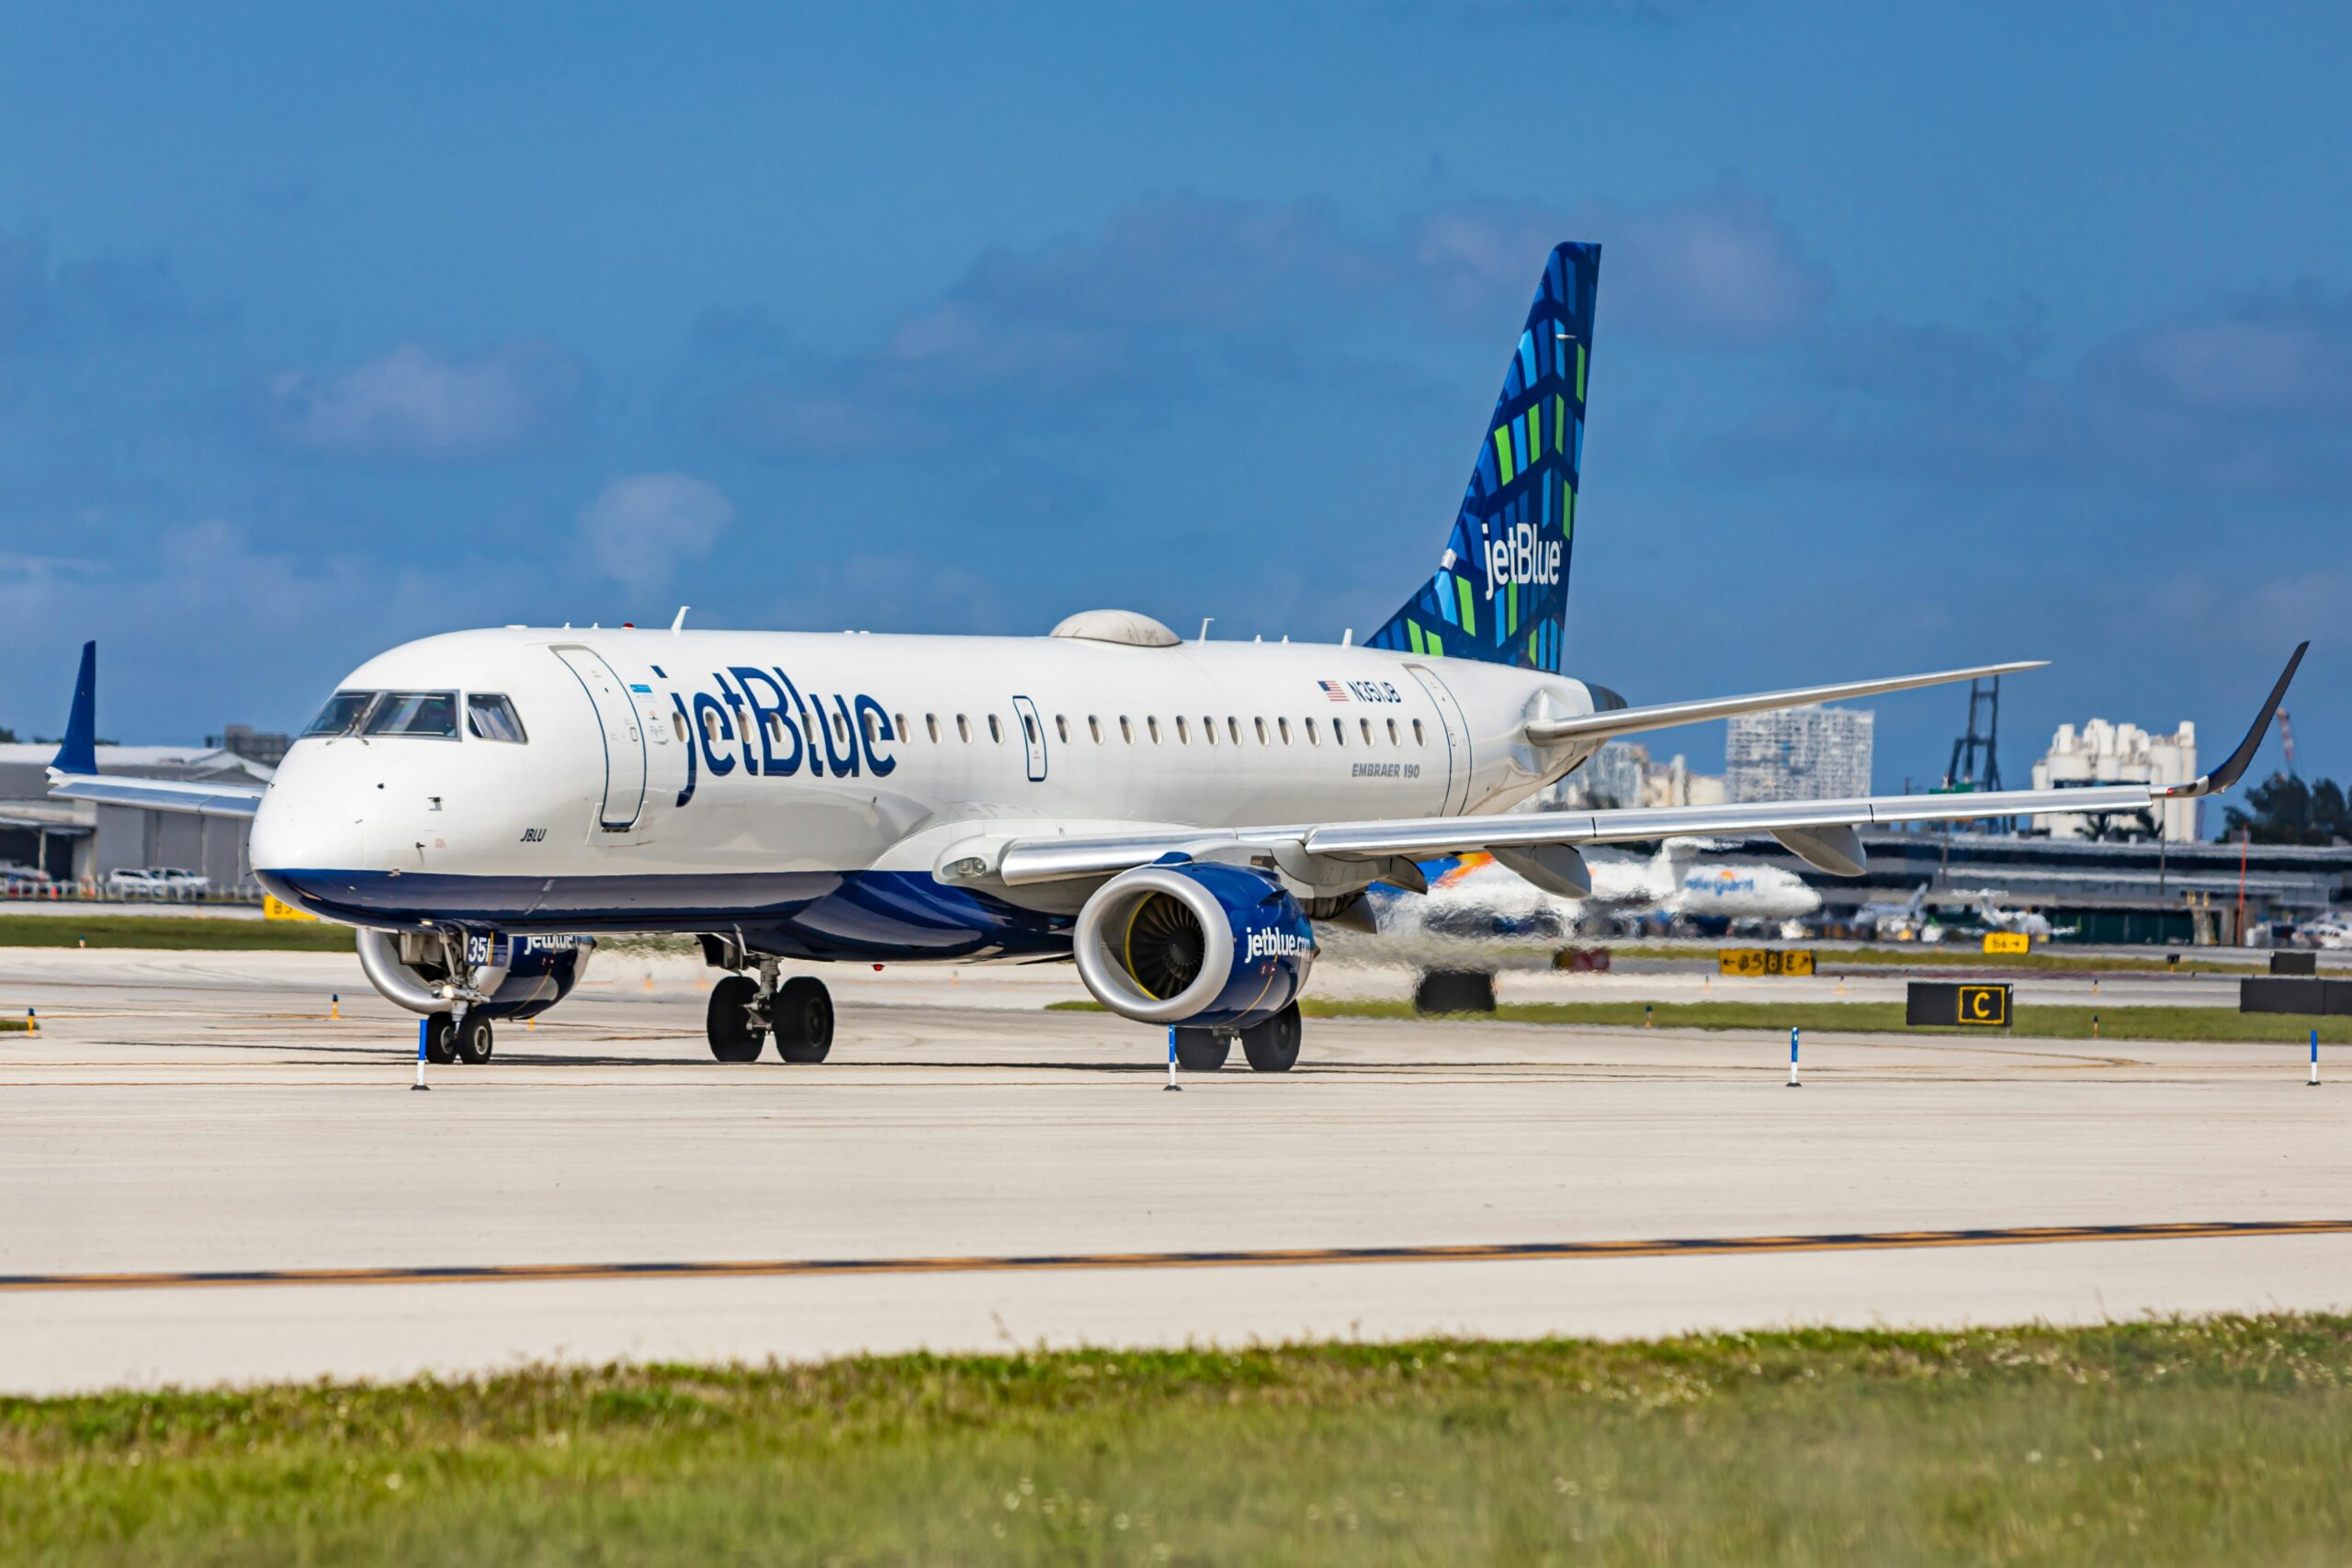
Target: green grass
column 174, row 931
column 2223, row 1440
column 1957, row 955
column 2036, row 1020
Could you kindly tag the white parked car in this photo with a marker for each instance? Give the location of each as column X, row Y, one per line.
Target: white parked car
column 156, row 882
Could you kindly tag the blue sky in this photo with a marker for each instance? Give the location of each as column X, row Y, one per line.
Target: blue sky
column 1926, row 334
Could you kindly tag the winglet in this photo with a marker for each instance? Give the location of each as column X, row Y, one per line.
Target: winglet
column 78, row 754
column 2229, row 772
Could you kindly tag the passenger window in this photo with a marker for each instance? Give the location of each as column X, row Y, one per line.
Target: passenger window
column 1151, row 723
column 996, row 730
column 1028, row 729
column 1417, row 738
column 1367, row 730
column 492, row 717
column 1183, row 732
column 343, row 712
column 1208, row 730
column 898, row 725
column 873, row 727
column 1094, row 729
column 431, row 714
column 1339, row 732
column 710, row 726
column 1392, row 732
column 931, row 723
column 1062, row 729
column 1233, row 727
column 1261, row 729
column 775, row 729
column 1312, row 738
column 678, row 723
column 1283, row 725
column 963, row 729
column 1126, row 730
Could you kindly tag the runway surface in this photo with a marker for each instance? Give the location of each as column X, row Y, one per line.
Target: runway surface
column 604, row 1189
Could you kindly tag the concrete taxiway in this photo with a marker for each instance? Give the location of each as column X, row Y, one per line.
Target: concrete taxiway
column 188, row 1113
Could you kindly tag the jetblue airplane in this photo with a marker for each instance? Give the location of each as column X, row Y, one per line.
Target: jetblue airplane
column 1174, row 816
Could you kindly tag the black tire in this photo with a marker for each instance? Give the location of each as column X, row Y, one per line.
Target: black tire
column 1454, row 990
column 473, row 1042
column 440, row 1040
column 736, row 1034
column 804, row 1019
column 1273, row 1046
column 1202, row 1050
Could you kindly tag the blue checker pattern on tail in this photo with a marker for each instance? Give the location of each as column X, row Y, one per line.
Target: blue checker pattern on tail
column 1500, row 592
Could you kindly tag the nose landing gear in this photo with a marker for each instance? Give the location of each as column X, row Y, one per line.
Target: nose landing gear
column 449, row 1038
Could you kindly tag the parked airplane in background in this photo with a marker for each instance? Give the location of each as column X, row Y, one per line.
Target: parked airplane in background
column 1171, row 816
column 2027, row 923
column 1907, row 920
column 1479, row 897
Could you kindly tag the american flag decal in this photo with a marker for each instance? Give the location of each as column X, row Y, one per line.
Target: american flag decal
column 1334, row 691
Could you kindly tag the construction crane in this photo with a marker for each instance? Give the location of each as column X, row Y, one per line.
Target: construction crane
column 1961, row 772
column 2287, row 742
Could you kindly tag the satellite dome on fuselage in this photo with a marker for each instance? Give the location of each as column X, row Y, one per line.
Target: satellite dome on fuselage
column 1131, row 627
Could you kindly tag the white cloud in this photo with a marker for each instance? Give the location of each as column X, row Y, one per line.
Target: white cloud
column 639, row 527
column 414, row 405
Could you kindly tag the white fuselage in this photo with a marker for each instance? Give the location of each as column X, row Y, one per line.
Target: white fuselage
column 670, row 780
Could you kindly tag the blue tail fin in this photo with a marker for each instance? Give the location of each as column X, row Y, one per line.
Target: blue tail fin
column 1500, row 592
column 79, row 754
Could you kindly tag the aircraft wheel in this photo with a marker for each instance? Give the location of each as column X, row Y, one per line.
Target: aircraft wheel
column 473, row 1042
column 1202, row 1050
column 804, row 1019
column 440, row 1040
column 1273, row 1046
column 735, row 1030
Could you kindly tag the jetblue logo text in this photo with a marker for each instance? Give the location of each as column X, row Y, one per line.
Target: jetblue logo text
column 1274, row 944
column 760, row 721
column 1519, row 555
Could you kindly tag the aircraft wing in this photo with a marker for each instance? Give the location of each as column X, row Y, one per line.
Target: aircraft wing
column 159, row 795
column 1820, row 831
column 1611, row 722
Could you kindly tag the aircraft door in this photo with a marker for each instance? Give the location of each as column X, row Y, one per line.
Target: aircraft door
column 1033, row 738
column 1457, row 740
column 623, row 733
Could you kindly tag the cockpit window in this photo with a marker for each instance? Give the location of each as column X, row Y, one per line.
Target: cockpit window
column 431, row 714
column 492, row 717
column 342, row 713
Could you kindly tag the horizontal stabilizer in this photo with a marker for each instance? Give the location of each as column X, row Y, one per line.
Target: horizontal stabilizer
column 1666, row 716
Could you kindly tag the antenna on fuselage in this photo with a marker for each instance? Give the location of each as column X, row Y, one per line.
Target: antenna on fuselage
column 1348, row 638
column 1205, row 627
column 680, row 624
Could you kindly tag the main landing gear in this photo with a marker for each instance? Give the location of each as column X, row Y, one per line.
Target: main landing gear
column 448, row 1038
column 745, row 1009
column 1271, row 1046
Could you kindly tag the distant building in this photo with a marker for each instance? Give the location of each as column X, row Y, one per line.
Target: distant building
column 2100, row 752
column 1808, row 753
column 1622, row 774
column 78, row 841
column 252, row 745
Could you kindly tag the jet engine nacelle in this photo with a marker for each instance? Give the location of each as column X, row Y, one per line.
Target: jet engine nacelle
column 1209, row 946
column 503, row 976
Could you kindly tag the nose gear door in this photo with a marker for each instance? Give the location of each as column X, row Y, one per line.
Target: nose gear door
column 623, row 735
column 1457, row 740
column 1033, row 738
